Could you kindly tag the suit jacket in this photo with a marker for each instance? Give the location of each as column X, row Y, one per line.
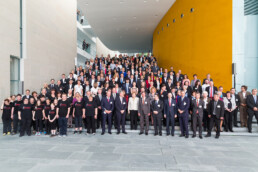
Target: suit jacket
column 53, row 87
column 169, row 87
column 219, row 109
column 199, row 107
column 65, row 82
column 144, row 108
column 170, row 109
column 97, row 100
column 214, row 90
column 157, row 107
column 129, row 88
column 242, row 98
column 163, row 96
column 183, row 105
column 251, row 103
column 68, row 87
column 205, row 79
column 120, row 105
column 105, row 105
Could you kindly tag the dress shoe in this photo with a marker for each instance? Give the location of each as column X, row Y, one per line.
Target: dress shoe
column 168, row 134
column 250, row 131
column 236, row 126
column 118, row 133
column 102, row 133
column 217, row 136
column 208, row 135
column 109, row 133
column 231, row 131
column 155, row 134
column 146, row 133
column 194, row 136
column 200, row 137
column 186, row 136
column 160, row 134
column 181, row 135
column 140, row 133
column 172, row 134
column 124, row 132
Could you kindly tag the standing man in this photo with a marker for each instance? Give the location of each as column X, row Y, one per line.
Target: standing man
column 121, row 107
column 107, row 106
column 157, row 108
column 216, row 113
column 144, row 113
column 198, row 106
column 98, row 99
column 183, row 106
column 62, row 112
column 242, row 108
column 211, row 90
column 252, row 108
column 235, row 98
column 170, row 113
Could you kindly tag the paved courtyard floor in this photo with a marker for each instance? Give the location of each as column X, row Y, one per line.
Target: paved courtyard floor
column 129, row 152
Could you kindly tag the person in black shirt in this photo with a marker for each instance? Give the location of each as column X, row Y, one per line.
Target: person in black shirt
column 77, row 114
column 52, row 119
column 25, row 115
column 91, row 112
column 45, row 114
column 6, row 116
column 38, row 117
column 62, row 111
column 16, row 122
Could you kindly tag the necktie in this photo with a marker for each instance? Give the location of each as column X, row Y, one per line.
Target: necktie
column 169, row 102
column 255, row 98
column 142, row 100
column 211, row 94
column 108, row 100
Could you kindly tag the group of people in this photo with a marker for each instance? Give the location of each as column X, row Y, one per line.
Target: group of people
column 110, row 90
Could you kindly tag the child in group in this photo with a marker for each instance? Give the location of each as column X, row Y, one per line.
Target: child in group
column 52, row 119
column 6, row 116
column 38, row 117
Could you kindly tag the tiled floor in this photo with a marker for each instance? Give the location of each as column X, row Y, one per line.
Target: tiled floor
column 129, row 152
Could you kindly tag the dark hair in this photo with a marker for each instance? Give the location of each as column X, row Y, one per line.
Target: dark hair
column 6, row 100
column 244, row 86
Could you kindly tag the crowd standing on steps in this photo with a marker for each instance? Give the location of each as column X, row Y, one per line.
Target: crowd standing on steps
column 109, row 91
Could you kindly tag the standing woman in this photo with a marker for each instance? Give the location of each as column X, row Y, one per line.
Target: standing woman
column 78, row 111
column 134, row 88
column 25, row 115
column 38, row 117
column 91, row 112
column 197, row 87
column 6, row 116
column 52, row 95
column 133, row 105
column 157, row 84
column 230, row 106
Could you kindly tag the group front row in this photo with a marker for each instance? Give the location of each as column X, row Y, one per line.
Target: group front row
column 54, row 115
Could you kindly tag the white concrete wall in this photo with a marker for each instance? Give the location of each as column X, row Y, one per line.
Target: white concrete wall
column 9, row 42
column 102, row 49
column 51, row 35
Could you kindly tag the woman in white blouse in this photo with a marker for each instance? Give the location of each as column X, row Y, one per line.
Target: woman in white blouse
column 230, row 106
column 94, row 89
column 133, row 110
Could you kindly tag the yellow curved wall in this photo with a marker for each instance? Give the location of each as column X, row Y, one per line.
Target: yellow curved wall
column 200, row 42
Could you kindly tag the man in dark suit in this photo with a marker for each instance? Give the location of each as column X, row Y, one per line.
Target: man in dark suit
column 211, row 90
column 216, row 114
column 207, row 78
column 64, row 81
column 121, row 107
column 157, row 108
column 121, row 80
column 252, row 108
column 52, row 85
column 144, row 112
column 164, row 78
column 177, row 78
column 197, row 105
column 69, row 86
column 127, row 87
column 169, row 85
column 107, row 106
column 183, row 105
column 170, row 113
column 27, row 95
